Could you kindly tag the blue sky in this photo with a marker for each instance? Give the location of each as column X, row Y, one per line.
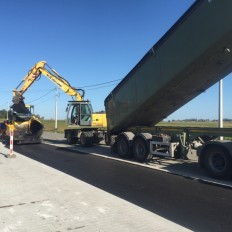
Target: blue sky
column 88, row 42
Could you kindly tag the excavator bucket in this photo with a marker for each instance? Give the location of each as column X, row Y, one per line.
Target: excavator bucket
column 18, row 104
column 26, row 131
column 20, row 107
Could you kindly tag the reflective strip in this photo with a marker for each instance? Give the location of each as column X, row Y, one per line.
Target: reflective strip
column 11, row 141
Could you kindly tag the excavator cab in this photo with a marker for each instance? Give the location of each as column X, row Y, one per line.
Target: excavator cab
column 79, row 113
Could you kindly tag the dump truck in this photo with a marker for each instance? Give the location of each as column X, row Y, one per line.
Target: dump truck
column 192, row 56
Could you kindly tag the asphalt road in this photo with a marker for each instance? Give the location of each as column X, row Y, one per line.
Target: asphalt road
column 193, row 204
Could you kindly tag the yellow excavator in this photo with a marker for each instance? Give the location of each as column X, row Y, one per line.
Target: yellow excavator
column 82, row 124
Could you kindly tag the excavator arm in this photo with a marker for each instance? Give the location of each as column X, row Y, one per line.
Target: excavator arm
column 63, row 84
column 43, row 68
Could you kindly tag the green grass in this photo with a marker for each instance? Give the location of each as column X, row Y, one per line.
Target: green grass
column 49, row 125
column 195, row 124
column 61, row 124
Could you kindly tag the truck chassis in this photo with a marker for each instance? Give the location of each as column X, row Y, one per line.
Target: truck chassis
column 142, row 143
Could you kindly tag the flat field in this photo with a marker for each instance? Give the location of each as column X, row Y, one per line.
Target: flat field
column 49, row 125
column 61, row 124
column 227, row 124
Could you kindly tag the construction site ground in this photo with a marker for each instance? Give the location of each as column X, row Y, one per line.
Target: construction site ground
column 36, row 197
column 187, row 168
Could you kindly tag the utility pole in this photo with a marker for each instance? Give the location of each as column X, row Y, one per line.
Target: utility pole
column 220, row 118
column 7, row 111
column 56, row 108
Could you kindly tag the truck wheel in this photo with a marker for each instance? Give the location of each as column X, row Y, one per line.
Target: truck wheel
column 107, row 139
column 218, row 162
column 123, row 147
column 140, row 149
column 86, row 139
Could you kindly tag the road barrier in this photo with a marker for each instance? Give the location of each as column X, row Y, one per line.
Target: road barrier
column 11, row 155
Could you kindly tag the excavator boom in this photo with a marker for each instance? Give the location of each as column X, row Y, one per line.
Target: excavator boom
column 42, row 68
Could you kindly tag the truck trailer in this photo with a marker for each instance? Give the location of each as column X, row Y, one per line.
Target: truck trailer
column 192, row 56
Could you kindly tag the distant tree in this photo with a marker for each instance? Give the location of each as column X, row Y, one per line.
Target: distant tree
column 38, row 116
column 100, row 112
column 3, row 114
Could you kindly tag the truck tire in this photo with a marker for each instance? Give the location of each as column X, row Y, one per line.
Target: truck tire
column 123, row 145
column 86, row 139
column 140, row 149
column 107, row 139
column 218, row 162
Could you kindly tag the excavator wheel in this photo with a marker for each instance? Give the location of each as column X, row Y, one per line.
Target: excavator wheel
column 71, row 139
column 86, row 139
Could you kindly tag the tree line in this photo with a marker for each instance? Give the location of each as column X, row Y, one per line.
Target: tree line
column 200, row 120
column 3, row 114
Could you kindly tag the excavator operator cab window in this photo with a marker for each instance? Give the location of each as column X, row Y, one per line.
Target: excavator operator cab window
column 75, row 116
column 81, row 114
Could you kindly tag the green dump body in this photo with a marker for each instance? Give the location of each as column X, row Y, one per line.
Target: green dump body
column 192, row 56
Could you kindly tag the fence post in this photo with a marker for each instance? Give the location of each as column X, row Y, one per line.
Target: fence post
column 11, row 155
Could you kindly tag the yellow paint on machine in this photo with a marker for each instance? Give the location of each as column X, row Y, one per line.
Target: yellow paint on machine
column 99, row 120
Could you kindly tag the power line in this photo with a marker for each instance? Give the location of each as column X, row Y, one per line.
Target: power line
column 5, row 91
column 43, row 95
column 49, row 99
column 100, row 83
column 36, row 90
column 97, row 87
column 100, row 87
